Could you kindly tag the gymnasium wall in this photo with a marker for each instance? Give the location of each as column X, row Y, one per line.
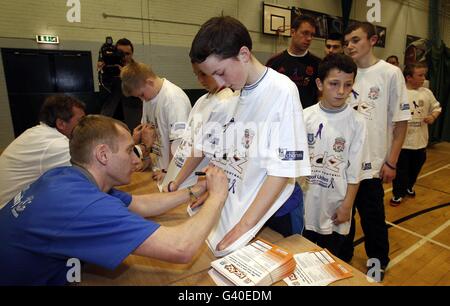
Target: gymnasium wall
column 162, row 31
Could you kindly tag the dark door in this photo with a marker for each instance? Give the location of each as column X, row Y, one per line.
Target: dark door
column 33, row 75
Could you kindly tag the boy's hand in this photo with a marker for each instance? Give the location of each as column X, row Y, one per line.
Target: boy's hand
column 342, row 215
column 429, row 119
column 387, row 174
column 158, row 175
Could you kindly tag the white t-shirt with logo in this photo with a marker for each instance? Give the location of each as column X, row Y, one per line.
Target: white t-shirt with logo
column 168, row 112
column 217, row 108
column 338, row 150
column 30, row 155
column 265, row 137
column 422, row 103
column 379, row 94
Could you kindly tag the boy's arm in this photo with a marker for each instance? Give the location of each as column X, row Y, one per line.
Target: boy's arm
column 189, row 165
column 267, row 195
column 388, row 170
column 344, row 212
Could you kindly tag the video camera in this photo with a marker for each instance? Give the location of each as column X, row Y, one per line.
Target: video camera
column 112, row 57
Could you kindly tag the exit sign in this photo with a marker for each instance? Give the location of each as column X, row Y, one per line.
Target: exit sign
column 47, row 39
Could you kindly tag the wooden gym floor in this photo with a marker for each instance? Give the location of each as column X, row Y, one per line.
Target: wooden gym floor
column 419, row 232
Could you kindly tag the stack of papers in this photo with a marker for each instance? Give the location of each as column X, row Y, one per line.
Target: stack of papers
column 257, row 264
column 316, row 269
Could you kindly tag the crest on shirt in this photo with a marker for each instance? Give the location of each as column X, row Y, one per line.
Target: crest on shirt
column 309, row 70
column 366, row 166
column 311, row 139
column 339, row 144
column 248, row 138
column 374, row 93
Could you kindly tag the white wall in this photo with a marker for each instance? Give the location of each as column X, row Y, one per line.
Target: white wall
column 166, row 45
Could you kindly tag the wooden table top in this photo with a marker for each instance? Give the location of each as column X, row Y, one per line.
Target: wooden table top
column 138, row 270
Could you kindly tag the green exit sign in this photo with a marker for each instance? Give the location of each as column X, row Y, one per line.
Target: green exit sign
column 47, row 39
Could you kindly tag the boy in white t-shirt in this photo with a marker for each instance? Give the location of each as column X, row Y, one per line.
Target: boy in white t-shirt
column 379, row 94
column 166, row 107
column 216, row 106
column 424, row 110
column 337, row 139
column 263, row 147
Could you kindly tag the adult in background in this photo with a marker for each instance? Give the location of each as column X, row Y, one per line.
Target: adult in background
column 40, row 148
column 297, row 62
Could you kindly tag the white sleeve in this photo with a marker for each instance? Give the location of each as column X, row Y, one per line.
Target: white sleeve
column 56, row 155
column 358, row 154
column 177, row 116
column 288, row 147
column 434, row 106
column 398, row 105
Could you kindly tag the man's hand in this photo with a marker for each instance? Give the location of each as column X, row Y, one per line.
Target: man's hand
column 148, row 135
column 387, row 174
column 137, row 132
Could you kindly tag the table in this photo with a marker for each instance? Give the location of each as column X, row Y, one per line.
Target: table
column 137, row 270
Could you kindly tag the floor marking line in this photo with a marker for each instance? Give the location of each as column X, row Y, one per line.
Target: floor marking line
column 417, row 245
column 419, row 235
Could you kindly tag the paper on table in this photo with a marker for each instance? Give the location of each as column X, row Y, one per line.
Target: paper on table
column 316, row 269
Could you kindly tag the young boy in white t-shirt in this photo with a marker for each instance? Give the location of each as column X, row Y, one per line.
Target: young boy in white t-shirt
column 337, row 139
column 379, row 94
column 216, row 106
column 263, row 147
column 424, row 110
column 166, row 107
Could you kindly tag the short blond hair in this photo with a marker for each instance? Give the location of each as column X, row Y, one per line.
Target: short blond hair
column 91, row 131
column 134, row 75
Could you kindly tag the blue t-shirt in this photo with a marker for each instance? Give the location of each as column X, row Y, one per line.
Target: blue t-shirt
column 64, row 215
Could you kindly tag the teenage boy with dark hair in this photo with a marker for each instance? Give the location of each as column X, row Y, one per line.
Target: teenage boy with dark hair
column 297, row 62
column 263, row 147
column 380, row 95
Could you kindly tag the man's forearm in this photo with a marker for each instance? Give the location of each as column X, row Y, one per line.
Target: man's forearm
column 155, row 204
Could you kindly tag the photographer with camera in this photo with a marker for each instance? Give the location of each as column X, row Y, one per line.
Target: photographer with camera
column 112, row 58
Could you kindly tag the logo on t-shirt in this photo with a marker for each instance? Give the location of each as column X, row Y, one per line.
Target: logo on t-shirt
column 374, row 93
column 20, row 203
column 366, row 166
column 284, row 154
column 309, row 70
column 248, row 138
column 339, row 144
column 405, row 106
column 311, row 139
column 319, row 131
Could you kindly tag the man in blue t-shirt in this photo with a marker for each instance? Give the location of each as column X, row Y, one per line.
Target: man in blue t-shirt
column 75, row 213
